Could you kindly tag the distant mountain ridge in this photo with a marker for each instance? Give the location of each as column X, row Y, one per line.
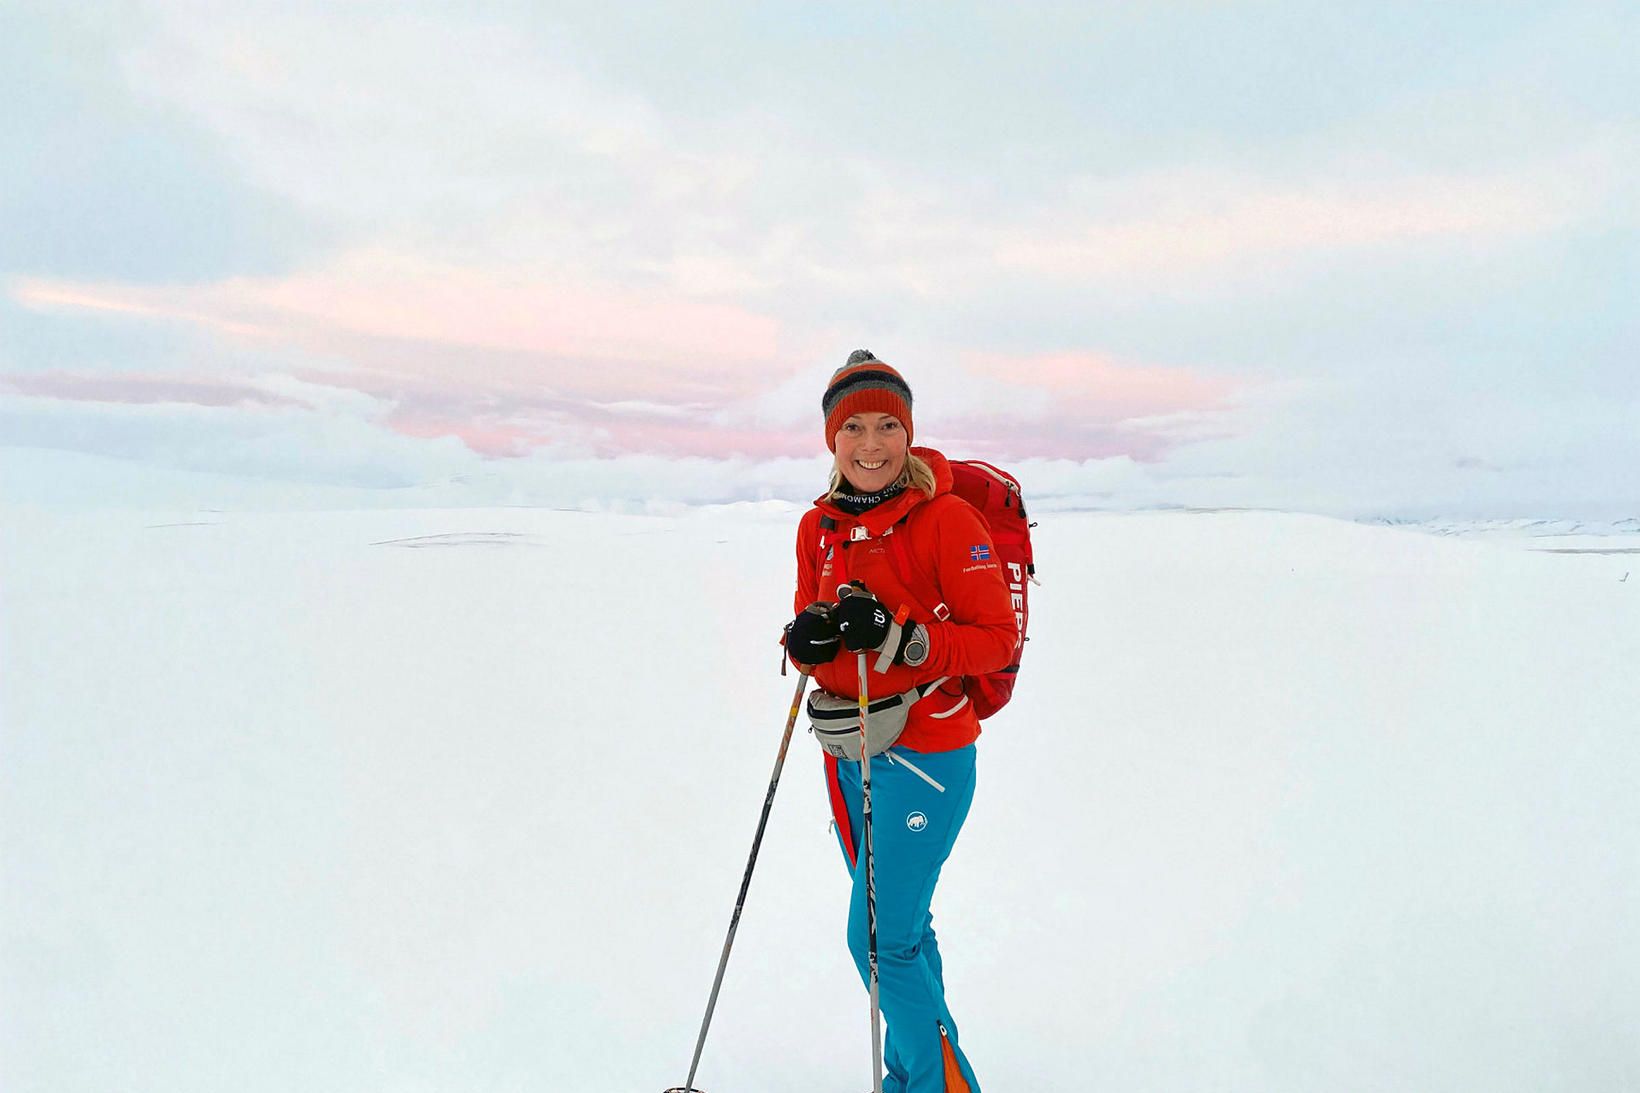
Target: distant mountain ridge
column 1522, row 527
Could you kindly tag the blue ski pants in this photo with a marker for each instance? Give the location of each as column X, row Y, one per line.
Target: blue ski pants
column 914, row 827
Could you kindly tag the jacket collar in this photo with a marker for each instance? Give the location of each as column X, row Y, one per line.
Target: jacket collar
column 884, row 516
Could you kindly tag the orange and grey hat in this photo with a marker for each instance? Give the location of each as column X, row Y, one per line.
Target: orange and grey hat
column 865, row 385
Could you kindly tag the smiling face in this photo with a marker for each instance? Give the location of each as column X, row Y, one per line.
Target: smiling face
column 871, row 450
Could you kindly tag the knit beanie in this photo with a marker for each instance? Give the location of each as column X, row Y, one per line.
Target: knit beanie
column 865, row 385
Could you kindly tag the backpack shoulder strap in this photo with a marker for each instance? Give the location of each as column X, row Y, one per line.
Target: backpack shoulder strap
column 831, row 538
column 918, row 583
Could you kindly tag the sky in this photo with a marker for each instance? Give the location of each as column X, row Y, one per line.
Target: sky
column 1367, row 260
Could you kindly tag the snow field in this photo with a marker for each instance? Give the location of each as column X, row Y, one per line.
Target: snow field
column 429, row 800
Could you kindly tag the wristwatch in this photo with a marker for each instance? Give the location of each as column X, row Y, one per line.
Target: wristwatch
column 915, row 650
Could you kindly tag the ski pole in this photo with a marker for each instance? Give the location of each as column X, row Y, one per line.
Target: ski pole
column 745, row 882
column 871, row 883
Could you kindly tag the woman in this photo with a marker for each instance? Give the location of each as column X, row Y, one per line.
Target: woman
column 887, row 538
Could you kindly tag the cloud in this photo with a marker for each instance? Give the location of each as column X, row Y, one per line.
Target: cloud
column 1101, row 388
column 656, row 343
column 1057, row 406
column 136, row 301
column 474, row 112
column 1351, row 446
column 548, row 244
column 133, row 388
column 96, row 182
column 520, row 154
column 1176, row 227
column 96, row 453
column 1078, row 405
column 1205, row 220
column 493, row 146
column 1337, row 447
column 505, row 366
column 254, row 440
column 600, row 370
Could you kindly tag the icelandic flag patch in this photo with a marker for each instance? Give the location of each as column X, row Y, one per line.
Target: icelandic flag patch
column 979, row 552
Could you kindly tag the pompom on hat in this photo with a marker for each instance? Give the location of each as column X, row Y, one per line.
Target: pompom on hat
column 865, row 385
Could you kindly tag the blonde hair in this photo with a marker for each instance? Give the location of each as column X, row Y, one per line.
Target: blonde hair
column 916, row 474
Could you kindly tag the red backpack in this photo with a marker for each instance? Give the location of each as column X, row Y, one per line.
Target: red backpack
column 996, row 494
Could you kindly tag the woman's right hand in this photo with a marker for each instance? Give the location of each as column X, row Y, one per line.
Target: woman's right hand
column 812, row 637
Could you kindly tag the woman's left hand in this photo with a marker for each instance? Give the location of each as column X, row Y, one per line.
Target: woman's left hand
column 866, row 626
column 862, row 619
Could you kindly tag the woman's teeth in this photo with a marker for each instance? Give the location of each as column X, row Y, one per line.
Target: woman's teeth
column 871, row 466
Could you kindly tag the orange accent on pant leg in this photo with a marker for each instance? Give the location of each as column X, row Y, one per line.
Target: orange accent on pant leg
column 954, row 1081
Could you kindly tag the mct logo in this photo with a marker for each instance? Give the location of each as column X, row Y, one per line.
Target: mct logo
column 916, row 821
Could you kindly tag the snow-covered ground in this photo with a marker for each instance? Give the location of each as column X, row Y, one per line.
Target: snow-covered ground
column 459, row 800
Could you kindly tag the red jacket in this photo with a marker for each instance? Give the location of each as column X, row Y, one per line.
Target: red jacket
column 947, row 539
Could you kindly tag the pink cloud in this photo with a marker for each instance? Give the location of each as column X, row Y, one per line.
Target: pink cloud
column 1193, row 219
column 1091, row 406
column 502, row 428
column 1015, row 437
column 506, row 367
column 512, row 368
column 485, row 438
column 709, row 441
column 1079, row 406
column 1093, row 386
column 403, row 317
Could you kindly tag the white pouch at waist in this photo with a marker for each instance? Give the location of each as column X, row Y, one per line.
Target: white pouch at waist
column 835, row 721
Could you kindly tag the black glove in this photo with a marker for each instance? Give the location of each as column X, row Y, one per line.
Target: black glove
column 862, row 619
column 866, row 625
column 812, row 637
